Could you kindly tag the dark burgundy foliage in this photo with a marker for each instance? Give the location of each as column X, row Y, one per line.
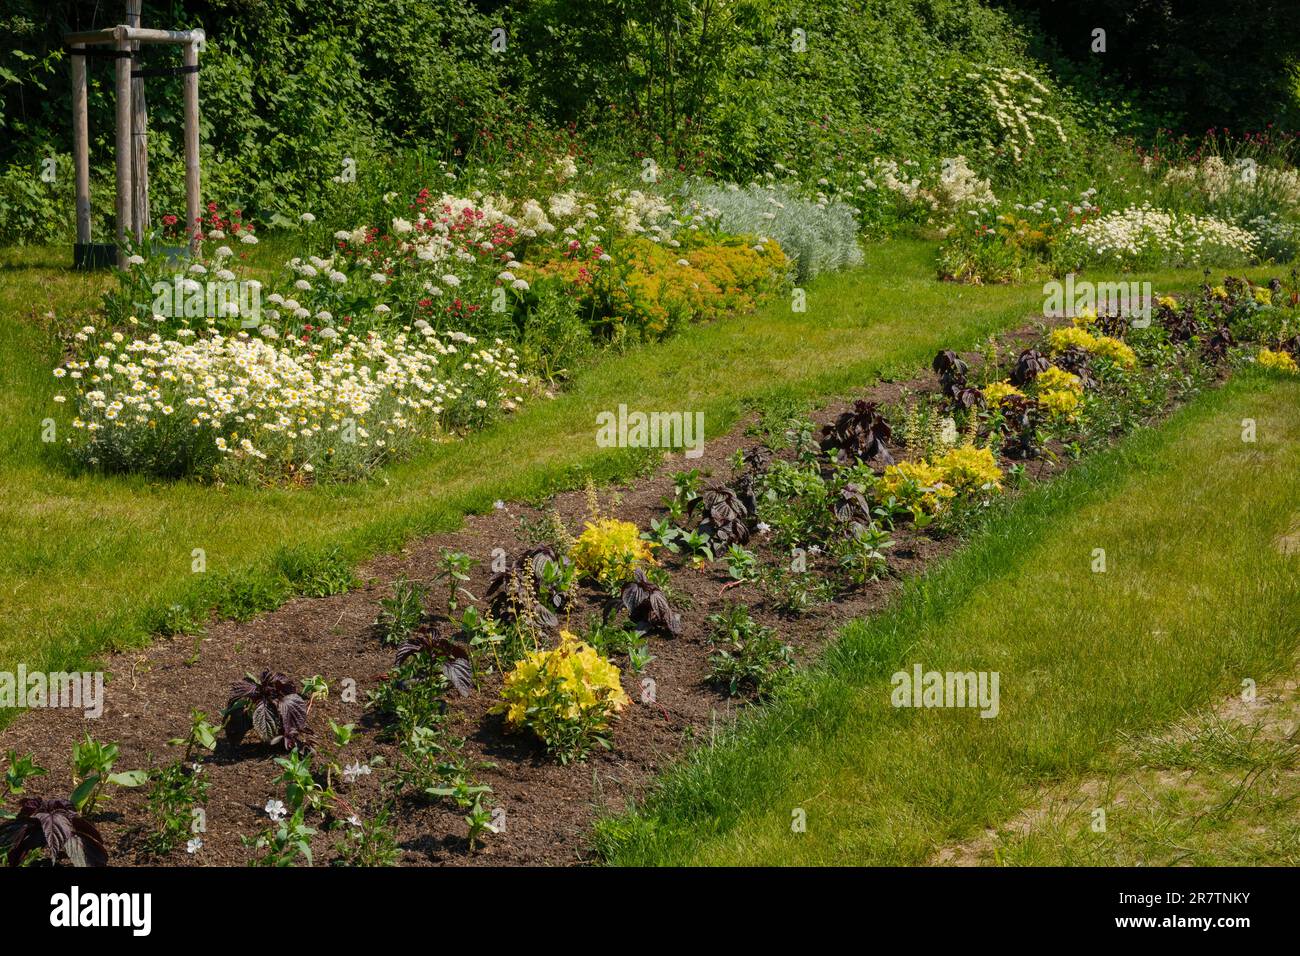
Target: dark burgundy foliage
column 270, row 706
column 451, row 658
column 850, row 505
column 725, row 514
column 1114, row 324
column 520, row 589
column 1181, row 324
column 1077, row 362
column 757, row 458
column 860, row 433
column 952, row 370
column 1029, row 366
column 1217, row 345
column 648, row 607
column 53, row 826
column 1020, row 419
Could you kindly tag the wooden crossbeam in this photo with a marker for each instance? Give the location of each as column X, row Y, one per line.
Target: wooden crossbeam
column 131, row 144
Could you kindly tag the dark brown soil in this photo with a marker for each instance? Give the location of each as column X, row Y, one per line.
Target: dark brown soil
column 548, row 808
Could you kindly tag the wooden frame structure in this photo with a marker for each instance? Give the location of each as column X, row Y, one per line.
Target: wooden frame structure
column 132, row 149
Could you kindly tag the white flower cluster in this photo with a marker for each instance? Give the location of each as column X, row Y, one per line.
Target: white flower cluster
column 1016, row 99
column 1217, row 180
column 227, row 405
column 1141, row 236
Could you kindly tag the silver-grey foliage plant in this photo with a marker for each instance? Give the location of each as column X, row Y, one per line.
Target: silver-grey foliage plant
column 816, row 236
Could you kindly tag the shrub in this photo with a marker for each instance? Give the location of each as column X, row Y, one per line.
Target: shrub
column 566, row 696
column 609, row 551
column 816, row 236
column 1104, row 346
column 917, row 486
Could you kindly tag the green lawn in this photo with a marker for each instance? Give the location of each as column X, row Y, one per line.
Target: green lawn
column 1198, row 594
column 90, row 562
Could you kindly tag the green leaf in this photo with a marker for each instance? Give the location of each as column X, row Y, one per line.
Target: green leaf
column 129, row 778
column 82, row 793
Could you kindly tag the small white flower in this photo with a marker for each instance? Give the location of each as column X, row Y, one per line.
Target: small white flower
column 354, row 770
column 274, row 808
column 307, row 217
column 194, row 845
column 136, row 260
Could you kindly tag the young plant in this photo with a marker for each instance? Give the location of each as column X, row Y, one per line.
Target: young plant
column 698, row 546
column 953, row 383
column 92, row 769
column 664, row 534
column 18, row 770
column 369, row 843
column 284, row 843
column 402, row 613
column 647, row 606
column 860, row 434
column 725, row 515
column 459, row 786
column 1029, row 366
column 742, row 565
column 427, row 652
column 566, row 696
column 861, row 553
column 55, row 827
column 455, row 571
column 271, row 706
column 609, row 551
column 746, row 657
column 535, row 586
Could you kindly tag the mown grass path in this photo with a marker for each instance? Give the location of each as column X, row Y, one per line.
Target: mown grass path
column 1198, row 595
column 89, row 562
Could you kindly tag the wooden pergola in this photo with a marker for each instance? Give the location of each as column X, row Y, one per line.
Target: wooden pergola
column 123, row 43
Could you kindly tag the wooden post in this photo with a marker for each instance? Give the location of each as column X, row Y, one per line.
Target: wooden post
column 192, row 197
column 123, row 151
column 81, row 146
column 139, row 136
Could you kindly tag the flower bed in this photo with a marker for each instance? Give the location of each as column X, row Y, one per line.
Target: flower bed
column 694, row 587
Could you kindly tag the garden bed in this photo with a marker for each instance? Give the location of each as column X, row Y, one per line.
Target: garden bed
column 548, row 806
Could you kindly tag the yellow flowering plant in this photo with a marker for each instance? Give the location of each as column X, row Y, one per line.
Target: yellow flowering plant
column 566, row 696
column 1112, row 348
column 1057, row 378
column 1277, row 361
column 1103, row 346
column 609, row 551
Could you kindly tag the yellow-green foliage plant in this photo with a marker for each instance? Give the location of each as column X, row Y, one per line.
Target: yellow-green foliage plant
column 566, row 696
column 969, row 469
column 609, row 550
column 1277, row 361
